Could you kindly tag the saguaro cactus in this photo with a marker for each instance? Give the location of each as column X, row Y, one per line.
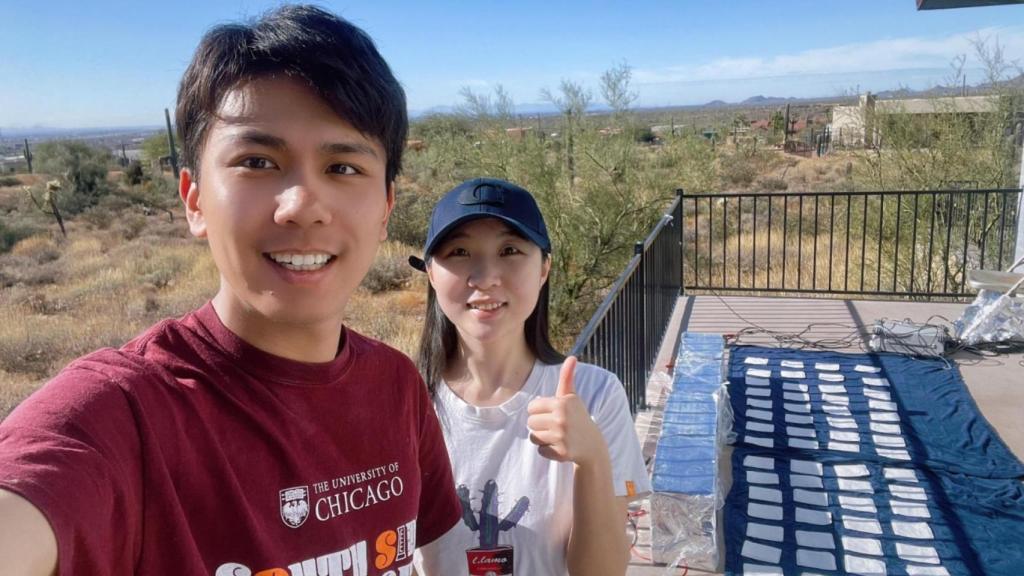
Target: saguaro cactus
column 28, row 156
column 488, row 523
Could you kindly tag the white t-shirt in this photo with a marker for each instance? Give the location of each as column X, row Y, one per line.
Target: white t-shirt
column 497, row 468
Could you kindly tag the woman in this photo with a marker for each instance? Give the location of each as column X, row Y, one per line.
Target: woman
column 543, row 451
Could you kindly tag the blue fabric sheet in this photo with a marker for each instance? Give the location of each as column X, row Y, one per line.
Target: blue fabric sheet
column 951, row 503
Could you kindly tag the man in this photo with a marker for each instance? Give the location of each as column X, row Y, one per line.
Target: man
column 256, row 435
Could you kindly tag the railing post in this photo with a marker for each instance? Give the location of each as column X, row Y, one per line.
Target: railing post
column 682, row 251
column 1019, row 252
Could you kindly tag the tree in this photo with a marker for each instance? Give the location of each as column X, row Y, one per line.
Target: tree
column 155, row 147
column 615, row 89
column 82, row 170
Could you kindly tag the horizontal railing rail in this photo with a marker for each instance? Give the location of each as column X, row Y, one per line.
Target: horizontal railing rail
column 917, row 244
column 624, row 333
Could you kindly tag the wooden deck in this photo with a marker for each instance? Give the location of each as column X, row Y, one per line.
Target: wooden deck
column 996, row 383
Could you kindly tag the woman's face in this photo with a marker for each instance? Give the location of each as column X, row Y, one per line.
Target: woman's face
column 487, row 279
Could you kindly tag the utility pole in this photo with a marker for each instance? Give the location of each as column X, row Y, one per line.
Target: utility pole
column 1019, row 252
column 170, row 143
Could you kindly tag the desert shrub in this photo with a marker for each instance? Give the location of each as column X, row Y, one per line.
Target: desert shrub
column 129, row 225
column 12, row 233
column 388, row 272
column 81, row 168
column 738, row 170
column 772, row 183
column 9, row 181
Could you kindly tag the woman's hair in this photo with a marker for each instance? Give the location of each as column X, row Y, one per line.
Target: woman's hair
column 439, row 341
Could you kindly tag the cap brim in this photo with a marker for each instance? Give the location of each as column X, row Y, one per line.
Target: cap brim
column 529, row 234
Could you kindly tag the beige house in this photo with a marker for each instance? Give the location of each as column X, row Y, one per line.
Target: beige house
column 855, row 125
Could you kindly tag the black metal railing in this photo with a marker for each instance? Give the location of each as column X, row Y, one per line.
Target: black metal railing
column 917, row 244
column 624, row 333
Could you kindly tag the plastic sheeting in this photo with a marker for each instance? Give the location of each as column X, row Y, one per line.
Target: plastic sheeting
column 687, row 493
column 992, row 317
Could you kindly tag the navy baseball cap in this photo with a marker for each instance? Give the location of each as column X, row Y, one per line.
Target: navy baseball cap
column 484, row 198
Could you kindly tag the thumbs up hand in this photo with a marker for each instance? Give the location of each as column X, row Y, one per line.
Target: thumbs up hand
column 561, row 426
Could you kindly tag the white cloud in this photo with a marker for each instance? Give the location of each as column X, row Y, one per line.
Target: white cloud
column 876, row 56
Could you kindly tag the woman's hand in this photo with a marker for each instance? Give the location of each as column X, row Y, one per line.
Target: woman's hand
column 561, row 426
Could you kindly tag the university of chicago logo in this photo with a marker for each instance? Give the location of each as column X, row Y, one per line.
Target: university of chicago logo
column 294, row 506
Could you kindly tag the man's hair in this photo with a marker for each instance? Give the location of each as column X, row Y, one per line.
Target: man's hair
column 336, row 59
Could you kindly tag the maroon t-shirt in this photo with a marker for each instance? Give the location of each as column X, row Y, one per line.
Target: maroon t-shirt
column 189, row 451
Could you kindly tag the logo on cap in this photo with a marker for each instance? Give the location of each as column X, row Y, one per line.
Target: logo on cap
column 482, row 194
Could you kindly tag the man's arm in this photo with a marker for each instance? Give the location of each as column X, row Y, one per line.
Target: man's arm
column 27, row 543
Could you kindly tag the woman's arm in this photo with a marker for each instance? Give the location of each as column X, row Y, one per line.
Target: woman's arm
column 597, row 544
column 562, row 428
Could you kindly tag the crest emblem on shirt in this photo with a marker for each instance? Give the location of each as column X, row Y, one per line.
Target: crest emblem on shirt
column 295, row 506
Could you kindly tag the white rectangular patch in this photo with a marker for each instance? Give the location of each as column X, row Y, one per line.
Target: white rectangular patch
column 904, row 474
column 889, row 441
column 754, row 477
column 829, row 367
column 755, row 381
column 759, row 373
column 864, row 566
column 813, row 539
column 810, row 497
column 910, row 509
column 798, row 364
column 875, row 381
column 919, row 530
column 816, row 517
column 851, row 470
column 764, row 531
column 759, row 441
column 761, row 552
column 759, row 570
column 759, row 414
column 869, row 546
column 755, row 426
column 828, row 377
column 885, row 416
column 878, row 394
column 882, row 405
column 836, row 422
column 844, row 447
column 794, row 374
column 796, row 396
column 885, row 428
column 836, row 399
column 867, row 369
column 801, row 432
column 803, row 481
column 913, row 570
column 794, row 387
column 760, row 392
column 756, row 360
column 893, row 453
column 765, row 511
column 852, row 485
column 908, row 492
column 799, row 419
column 843, row 436
column 763, row 462
column 866, row 505
column 836, row 410
column 912, row 553
column 803, row 443
column 801, row 408
column 869, row 525
column 806, row 467
column 765, row 494
column 756, row 403
column 832, row 388
column 815, row 559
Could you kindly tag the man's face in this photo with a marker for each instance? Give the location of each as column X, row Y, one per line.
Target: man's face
column 293, row 201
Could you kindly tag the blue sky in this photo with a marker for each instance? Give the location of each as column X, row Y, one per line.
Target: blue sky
column 75, row 64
